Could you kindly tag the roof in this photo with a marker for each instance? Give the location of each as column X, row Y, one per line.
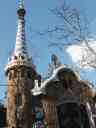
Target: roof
column 54, row 77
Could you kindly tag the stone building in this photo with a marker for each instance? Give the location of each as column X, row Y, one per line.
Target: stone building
column 61, row 100
column 67, row 101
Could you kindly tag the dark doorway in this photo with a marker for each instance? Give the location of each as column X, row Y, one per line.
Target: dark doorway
column 71, row 115
column 2, row 116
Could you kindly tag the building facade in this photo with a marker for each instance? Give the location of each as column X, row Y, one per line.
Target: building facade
column 67, row 101
column 61, row 100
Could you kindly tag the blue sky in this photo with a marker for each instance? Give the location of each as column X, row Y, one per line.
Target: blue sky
column 38, row 17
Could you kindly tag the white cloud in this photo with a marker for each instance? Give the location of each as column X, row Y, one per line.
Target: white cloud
column 81, row 52
column 76, row 52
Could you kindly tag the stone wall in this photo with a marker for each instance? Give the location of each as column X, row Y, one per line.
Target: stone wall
column 49, row 106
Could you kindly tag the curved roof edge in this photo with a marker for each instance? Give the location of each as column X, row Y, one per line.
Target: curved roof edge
column 41, row 90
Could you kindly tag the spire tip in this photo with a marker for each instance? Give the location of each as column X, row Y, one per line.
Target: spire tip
column 21, row 4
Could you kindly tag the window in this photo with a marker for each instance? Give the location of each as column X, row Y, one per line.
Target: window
column 22, row 73
column 19, row 100
column 29, row 74
column 15, row 57
column 22, row 57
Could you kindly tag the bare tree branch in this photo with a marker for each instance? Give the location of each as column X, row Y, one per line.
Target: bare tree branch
column 72, row 29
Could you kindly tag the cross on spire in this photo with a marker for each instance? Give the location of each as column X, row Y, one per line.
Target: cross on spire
column 21, row 4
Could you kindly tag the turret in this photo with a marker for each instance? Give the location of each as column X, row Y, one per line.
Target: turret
column 20, row 73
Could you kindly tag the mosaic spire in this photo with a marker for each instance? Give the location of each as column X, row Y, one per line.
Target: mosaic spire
column 20, row 54
column 20, row 47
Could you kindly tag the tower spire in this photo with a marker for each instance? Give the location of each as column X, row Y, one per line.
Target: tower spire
column 20, row 47
column 20, row 53
column 20, row 73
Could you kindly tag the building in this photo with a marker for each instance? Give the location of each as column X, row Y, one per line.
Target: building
column 61, row 100
column 67, row 101
column 20, row 73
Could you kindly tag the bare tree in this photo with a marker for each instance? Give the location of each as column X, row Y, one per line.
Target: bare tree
column 72, row 29
column 88, row 55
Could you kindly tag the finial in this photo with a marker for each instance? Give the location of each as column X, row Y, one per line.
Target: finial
column 21, row 11
column 21, row 4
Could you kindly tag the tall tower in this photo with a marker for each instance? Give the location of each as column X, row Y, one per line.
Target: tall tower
column 20, row 73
